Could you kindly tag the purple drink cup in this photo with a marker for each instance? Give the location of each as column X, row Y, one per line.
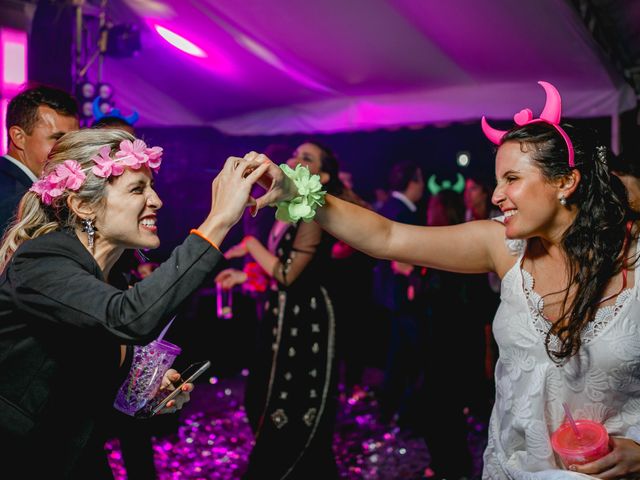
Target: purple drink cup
column 150, row 363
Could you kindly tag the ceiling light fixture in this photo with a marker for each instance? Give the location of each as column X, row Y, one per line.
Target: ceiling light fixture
column 180, row 42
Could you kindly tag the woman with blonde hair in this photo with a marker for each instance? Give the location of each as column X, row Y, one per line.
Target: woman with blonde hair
column 62, row 326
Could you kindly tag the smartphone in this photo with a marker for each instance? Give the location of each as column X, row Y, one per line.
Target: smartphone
column 189, row 375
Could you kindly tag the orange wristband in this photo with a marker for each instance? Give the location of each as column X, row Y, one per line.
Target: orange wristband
column 197, row 232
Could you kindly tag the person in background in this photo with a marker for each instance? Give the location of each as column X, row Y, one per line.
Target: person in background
column 381, row 197
column 259, row 226
column 477, row 200
column 36, row 118
column 62, row 325
column 116, row 123
column 291, row 391
column 483, row 295
column 390, row 292
column 626, row 167
column 145, row 269
column 352, row 273
column 568, row 325
column 442, row 298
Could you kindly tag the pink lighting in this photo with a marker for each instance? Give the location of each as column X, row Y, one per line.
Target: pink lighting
column 13, row 73
column 13, row 58
column 180, row 42
column 4, row 104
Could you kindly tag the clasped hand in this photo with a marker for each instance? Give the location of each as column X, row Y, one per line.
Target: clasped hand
column 278, row 186
column 622, row 462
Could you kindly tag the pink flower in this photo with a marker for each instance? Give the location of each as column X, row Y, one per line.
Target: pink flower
column 68, row 174
column 133, row 154
column 41, row 188
column 155, row 158
column 105, row 166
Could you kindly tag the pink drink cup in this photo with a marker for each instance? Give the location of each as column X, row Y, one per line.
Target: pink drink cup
column 592, row 444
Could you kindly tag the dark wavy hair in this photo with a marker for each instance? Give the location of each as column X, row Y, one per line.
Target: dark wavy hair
column 330, row 165
column 595, row 241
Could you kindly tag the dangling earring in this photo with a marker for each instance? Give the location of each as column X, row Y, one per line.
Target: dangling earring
column 87, row 226
column 563, row 201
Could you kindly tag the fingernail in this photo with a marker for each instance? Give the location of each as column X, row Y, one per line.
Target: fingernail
column 573, row 468
column 185, row 388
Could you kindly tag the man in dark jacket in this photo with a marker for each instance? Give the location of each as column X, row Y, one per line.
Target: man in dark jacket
column 391, row 287
column 36, row 118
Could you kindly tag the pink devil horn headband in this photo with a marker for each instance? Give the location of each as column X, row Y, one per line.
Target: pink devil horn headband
column 550, row 114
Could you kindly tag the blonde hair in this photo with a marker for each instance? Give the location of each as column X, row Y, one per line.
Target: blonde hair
column 34, row 218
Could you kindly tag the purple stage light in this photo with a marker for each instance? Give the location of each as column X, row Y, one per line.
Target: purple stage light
column 13, row 72
column 14, row 59
column 4, row 105
column 179, row 42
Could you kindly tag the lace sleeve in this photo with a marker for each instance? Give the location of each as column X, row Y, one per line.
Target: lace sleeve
column 305, row 244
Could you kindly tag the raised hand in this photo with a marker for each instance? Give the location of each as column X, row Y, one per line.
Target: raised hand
column 230, row 195
column 278, row 186
column 230, row 191
column 230, row 277
column 237, row 251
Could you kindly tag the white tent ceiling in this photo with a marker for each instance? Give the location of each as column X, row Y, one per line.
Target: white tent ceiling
column 284, row 66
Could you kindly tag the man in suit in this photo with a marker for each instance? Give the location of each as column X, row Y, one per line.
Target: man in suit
column 36, row 118
column 391, row 284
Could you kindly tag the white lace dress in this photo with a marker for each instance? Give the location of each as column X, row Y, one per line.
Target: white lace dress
column 601, row 383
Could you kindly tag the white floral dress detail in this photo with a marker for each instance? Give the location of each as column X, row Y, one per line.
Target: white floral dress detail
column 601, row 383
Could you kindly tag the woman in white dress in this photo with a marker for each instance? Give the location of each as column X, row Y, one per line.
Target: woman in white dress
column 568, row 326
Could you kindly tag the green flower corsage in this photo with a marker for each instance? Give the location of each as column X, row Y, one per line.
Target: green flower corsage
column 310, row 196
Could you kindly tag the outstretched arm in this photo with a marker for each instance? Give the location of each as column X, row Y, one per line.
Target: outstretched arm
column 469, row 248
column 307, row 239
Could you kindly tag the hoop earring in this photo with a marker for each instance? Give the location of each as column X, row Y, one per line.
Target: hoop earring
column 90, row 229
column 563, row 201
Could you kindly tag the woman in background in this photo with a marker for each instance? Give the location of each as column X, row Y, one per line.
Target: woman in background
column 292, row 388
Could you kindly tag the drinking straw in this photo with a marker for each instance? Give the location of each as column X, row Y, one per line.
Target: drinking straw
column 164, row 331
column 572, row 422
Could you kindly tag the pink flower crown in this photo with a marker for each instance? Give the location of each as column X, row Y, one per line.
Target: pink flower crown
column 69, row 174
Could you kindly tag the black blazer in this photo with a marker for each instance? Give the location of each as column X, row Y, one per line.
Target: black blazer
column 13, row 185
column 390, row 290
column 61, row 326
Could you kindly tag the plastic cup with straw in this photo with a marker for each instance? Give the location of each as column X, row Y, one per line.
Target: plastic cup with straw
column 579, row 441
column 150, row 363
column 571, row 421
column 165, row 329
